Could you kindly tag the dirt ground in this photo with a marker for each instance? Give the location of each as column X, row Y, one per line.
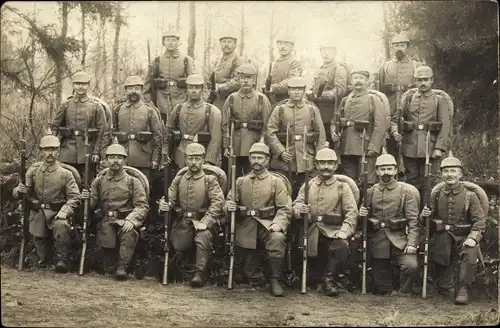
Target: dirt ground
column 44, row 298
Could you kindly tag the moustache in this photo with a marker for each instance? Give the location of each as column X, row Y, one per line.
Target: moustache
column 386, row 176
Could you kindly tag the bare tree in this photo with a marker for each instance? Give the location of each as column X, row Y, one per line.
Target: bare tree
column 118, row 22
column 271, row 34
column 192, row 29
column 386, row 32
column 242, row 31
column 178, row 20
column 208, row 37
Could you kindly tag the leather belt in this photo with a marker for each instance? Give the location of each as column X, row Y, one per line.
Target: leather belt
column 297, row 137
column 383, row 225
column 187, row 137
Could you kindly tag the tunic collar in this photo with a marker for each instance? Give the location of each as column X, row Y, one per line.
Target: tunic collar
column 195, row 105
column 196, row 176
column 391, row 185
column 292, row 105
column 249, row 95
column 261, row 176
column 281, row 58
column 328, row 182
column 455, row 190
column 50, row 168
column 174, row 54
column 117, row 177
column 82, row 99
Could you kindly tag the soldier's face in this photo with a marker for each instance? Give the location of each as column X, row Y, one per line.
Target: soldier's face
column 115, row 162
column 359, row 81
column 247, row 81
column 386, row 172
column 259, row 161
column 399, row 49
column 296, row 94
column 133, row 92
column 451, row 175
column 80, row 88
column 326, row 168
column 284, row 47
column 194, row 92
column 50, row 154
column 171, row 43
column 424, row 83
column 227, row 45
column 328, row 54
column 194, row 162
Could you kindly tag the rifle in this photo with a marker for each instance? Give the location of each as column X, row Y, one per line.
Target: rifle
column 321, row 88
column 364, row 170
column 166, row 218
column 307, row 216
column 400, row 129
column 24, row 201
column 213, row 94
column 267, row 88
column 427, row 200
column 336, row 121
column 152, row 73
column 232, row 165
column 290, row 275
column 86, row 183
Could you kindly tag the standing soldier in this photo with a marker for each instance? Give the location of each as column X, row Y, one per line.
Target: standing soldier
column 225, row 69
column 392, row 209
column 457, row 224
column 264, row 209
column 195, row 118
column 395, row 77
column 71, row 120
column 168, row 78
column 138, row 129
column 422, row 111
column 334, row 215
column 54, row 196
column 296, row 114
column 197, row 200
column 249, row 111
column 121, row 207
column 333, row 75
column 284, row 68
column 359, row 109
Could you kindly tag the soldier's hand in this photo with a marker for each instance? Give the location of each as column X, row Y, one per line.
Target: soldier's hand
column 341, row 235
column 305, row 209
column 95, row 158
column 168, row 160
column 274, row 228
column 62, row 215
column 397, row 136
column 163, row 205
column 371, row 153
column 201, row 226
column 85, row 194
column 127, row 226
column 21, row 188
column 226, row 152
column 437, row 153
column 426, row 212
column 410, row 249
column 335, row 136
column 469, row 242
column 231, row 206
column 286, row 156
column 154, row 165
column 363, row 211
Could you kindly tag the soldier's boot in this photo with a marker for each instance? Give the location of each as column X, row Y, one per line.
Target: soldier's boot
column 202, row 260
column 108, row 260
column 61, row 243
column 276, row 264
column 462, row 295
column 329, row 284
column 126, row 254
column 42, row 249
column 251, row 268
column 468, row 267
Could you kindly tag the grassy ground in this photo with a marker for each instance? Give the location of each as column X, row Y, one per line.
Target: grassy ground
column 43, row 298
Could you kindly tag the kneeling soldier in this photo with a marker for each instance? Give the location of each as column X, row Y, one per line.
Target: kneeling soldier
column 54, row 197
column 199, row 201
column 392, row 208
column 333, row 212
column 264, row 212
column 121, row 205
column 457, row 223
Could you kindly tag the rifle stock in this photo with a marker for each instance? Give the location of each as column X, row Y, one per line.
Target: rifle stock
column 364, row 170
column 336, row 122
column 213, row 94
column 166, row 218
column 291, row 277
column 86, row 183
column 306, row 217
column 233, row 214
column 427, row 200
column 24, row 203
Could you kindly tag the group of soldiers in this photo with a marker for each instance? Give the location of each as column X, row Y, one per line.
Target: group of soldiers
column 335, row 132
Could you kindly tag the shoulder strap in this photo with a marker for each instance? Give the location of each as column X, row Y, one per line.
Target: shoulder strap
column 260, row 104
column 402, row 200
column 176, row 112
column 186, row 66
column 239, row 183
column 208, row 110
column 273, row 185
column 233, row 66
column 156, row 72
column 281, row 111
column 130, row 187
column 231, row 105
column 468, row 197
column 436, row 199
column 311, row 113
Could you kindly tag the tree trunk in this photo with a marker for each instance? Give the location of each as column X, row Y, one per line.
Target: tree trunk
column 98, row 61
column 271, row 34
column 387, row 43
column 178, row 21
column 192, row 29
column 104, row 57
column 60, row 65
column 84, row 44
column 206, row 50
column 242, row 34
column 116, row 45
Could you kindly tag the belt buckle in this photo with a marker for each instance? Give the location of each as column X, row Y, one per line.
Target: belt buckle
column 319, row 219
column 110, row 213
column 447, row 227
column 244, row 125
column 348, row 123
column 252, row 213
column 131, row 136
column 420, row 126
column 298, row 137
column 189, row 215
column 171, row 83
column 77, row 133
column 42, row 206
column 382, row 224
column 186, row 137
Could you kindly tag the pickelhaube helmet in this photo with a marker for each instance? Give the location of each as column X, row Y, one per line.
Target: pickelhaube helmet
column 296, row 82
column 49, row 140
column 451, row 161
column 385, row 159
column 116, row 149
column 423, row 72
column 195, row 79
column 247, row 69
column 133, row 80
column 326, row 154
column 259, row 147
column 195, row 149
column 80, row 77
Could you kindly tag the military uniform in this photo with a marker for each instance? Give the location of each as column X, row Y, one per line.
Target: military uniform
column 170, row 71
column 362, row 106
column 249, row 112
column 392, row 208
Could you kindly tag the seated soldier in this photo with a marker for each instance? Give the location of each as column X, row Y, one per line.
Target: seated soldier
column 121, row 207
column 196, row 200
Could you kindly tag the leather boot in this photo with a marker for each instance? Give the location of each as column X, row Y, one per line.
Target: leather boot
column 126, row 254
column 200, row 276
column 462, row 296
column 42, row 250
column 62, row 252
column 252, row 269
column 276, row 264
column 108, row 260
column 329, row 285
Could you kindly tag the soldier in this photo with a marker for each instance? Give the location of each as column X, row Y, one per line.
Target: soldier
column 360, row 105
column 264, row 212
column 297, row 114
column 457, row 225
column 395, row 77
column 197, row 201
column 70, row 122
column 334, row 76
column 195, row 118
column 284, row 68
column 121, row 206
column 334, row 215
column 249, row 111
column 54, row 196
column 170, row 71
column 225, row 69
column 424, row 110
column 392, row 209
column 138, row 129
